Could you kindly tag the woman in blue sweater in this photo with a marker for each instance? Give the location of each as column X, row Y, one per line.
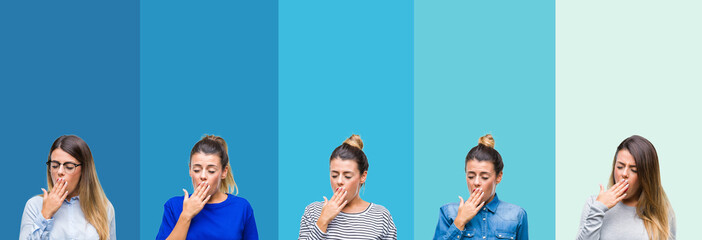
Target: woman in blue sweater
column 211, row 212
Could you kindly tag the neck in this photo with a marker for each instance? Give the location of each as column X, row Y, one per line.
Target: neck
column 632, row 201
column 355, row 205
column 490, row 199
column 218, row 197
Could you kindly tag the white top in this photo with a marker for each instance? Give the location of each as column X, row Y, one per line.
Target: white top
column 67, row 223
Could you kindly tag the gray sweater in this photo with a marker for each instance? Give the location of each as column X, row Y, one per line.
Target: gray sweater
column 618, row 223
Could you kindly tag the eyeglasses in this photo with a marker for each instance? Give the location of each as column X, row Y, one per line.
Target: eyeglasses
column 68, row 167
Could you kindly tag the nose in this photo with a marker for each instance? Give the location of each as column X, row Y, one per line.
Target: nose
column 476, row 183
column 61, row 171
column 625, row 173
column 203, row 176
column 339, row 181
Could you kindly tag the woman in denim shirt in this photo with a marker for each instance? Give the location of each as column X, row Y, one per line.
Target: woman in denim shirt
column 483, row 215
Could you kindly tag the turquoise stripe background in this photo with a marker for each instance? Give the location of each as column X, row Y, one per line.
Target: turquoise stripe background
column 345, row 68
column 484, row 67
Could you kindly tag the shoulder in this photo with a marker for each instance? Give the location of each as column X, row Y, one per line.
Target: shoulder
column 34, row 202
column 314, row 207
column 511, row 206
column 176, row 201
column 238, row 202
column 379, row 208
column 36, row 199
column 449, row 208
column 514, row 209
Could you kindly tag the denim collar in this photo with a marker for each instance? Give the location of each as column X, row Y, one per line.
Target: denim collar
column 492, row 205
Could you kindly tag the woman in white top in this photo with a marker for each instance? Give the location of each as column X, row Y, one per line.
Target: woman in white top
column 74, row 207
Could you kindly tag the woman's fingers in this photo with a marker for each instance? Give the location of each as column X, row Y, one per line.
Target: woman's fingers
column 65, row 194
column 477, row 199
column 480, row 205
column 203, row 192
column 325, row 200
column 207, row 199
column 343, row 204
column 620, row 198
column 45, row 193
column 186, row 194
column 460, row 202
column 64, row 186
column 342, row 196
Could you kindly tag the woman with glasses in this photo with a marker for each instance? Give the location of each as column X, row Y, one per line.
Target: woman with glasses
column 74, row 206
column 211, row 212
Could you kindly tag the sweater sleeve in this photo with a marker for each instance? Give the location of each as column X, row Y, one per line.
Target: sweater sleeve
column 250, row 232
column 308, row 226
column 34, row 226
column 591, row 220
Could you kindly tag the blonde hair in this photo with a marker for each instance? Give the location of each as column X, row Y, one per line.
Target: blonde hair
column 653, row 206
column 487, row 141
column 93, row 201
column 211, row 144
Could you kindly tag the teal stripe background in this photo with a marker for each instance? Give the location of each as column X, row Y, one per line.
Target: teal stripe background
column 345, row 68
column 484, row 67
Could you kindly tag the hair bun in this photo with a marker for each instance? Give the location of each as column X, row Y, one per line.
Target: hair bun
column 355, row 141
column 487, row 141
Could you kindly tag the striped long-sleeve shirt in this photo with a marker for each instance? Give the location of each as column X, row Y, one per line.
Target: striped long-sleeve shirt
column 373, row 223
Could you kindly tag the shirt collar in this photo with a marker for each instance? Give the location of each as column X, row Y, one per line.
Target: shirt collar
column 492, row 205
column 71, row 200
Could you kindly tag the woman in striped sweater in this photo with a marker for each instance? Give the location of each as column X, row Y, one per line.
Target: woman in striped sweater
column 346, row 215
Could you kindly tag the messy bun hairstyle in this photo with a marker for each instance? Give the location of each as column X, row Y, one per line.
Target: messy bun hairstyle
column 352, row 149
column 485, row 151
column 211, row 144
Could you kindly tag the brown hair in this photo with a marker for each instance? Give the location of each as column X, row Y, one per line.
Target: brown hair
column 485, row 151
column 211, row 144
column 352, row 149
column 653, row 206
column 93, row 201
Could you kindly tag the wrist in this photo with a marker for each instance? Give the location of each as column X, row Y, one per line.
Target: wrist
column 185, row 217
column 46, row 215
column 460, row 224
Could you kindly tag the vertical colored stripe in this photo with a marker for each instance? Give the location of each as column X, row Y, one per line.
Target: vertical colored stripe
column 633, row 69
column 345, row 68
column 70, row 68
column 484, row 67
column 209, row 68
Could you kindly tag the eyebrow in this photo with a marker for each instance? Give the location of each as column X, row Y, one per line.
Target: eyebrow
column 200, row 165
column 621, row 163
column 64, row 162
column 345, row 172
column 474, row 172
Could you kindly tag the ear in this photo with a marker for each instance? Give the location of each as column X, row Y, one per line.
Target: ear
column 363, row 177
column 499, row 178
column 225, row 170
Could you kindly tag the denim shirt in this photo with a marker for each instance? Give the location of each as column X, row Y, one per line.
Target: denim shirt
column 497, row 220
